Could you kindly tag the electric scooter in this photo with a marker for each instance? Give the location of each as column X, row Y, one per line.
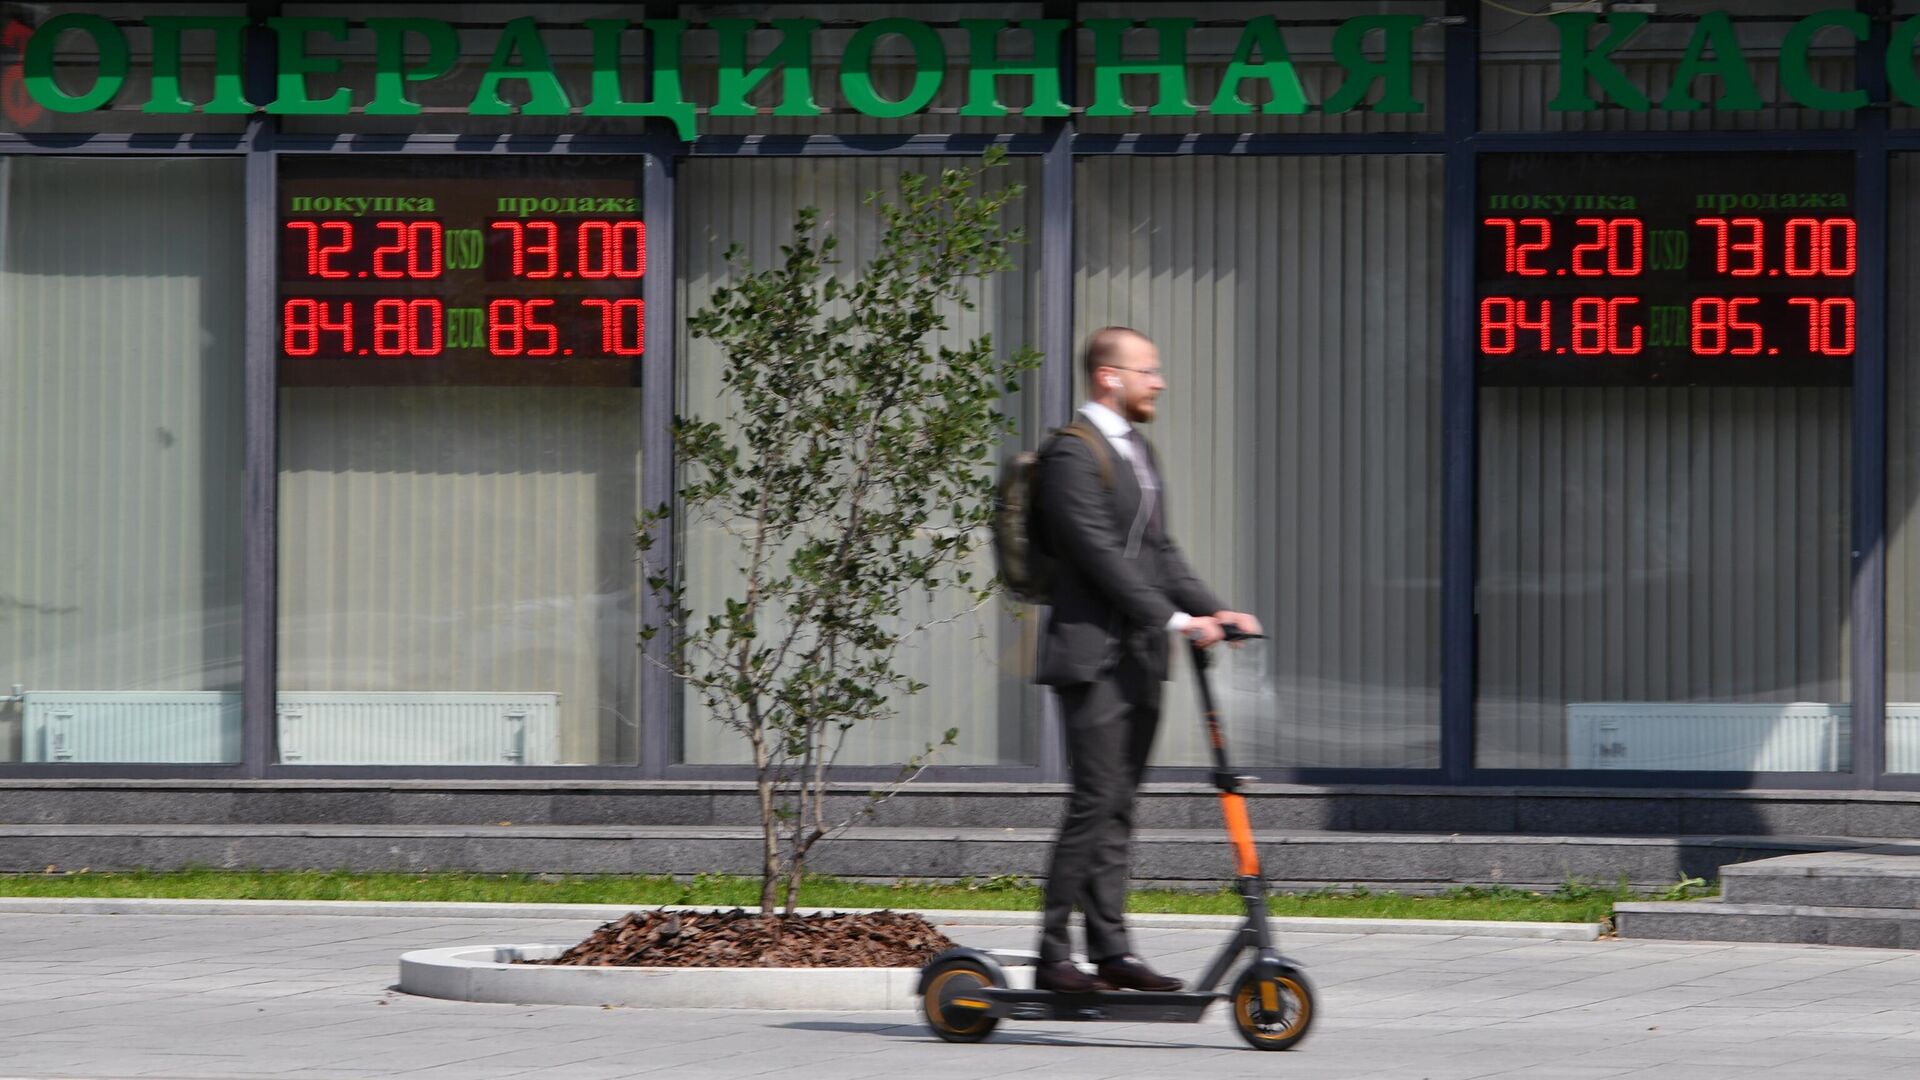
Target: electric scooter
column 965, row 993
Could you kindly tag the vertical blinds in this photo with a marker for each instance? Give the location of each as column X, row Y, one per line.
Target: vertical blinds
column 120, row 424
column 1296, row 304
column 1903, row 463
column 474, row 539
column 1657, row 544
column 975, row 663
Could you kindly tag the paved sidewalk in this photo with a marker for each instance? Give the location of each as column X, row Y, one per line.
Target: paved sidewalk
column 215, row 997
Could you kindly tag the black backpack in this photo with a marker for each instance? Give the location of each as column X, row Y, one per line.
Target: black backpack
column 1025, row 569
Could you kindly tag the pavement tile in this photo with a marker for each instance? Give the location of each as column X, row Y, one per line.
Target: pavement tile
column 309, row 998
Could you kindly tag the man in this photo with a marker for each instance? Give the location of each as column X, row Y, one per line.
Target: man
column 1119, row 586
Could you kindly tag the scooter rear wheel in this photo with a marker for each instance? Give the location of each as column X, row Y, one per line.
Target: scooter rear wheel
column 954, row 1005
column 1272, row 1009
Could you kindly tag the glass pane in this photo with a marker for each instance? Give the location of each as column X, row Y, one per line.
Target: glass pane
column 1903, row 472
column 120, row 453
column 977, row 664
column 459, row 461
column 1300, row 434
column 1308, row 31
column 1665, row 355
column 1520, row 71
column 1663, row 578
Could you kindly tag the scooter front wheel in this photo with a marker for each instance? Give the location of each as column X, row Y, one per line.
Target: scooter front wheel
column 1272, row 1009
column 955, row 1004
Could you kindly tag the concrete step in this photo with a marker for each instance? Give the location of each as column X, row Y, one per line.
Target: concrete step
column 1166, row 857
column 1277, row 807
column 1721, row 920
column 1860, row 878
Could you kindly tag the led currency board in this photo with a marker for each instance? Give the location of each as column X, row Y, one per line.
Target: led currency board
column 1657, row 269
column 490, row 270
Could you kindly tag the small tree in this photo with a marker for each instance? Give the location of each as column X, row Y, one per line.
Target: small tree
column 853, row 474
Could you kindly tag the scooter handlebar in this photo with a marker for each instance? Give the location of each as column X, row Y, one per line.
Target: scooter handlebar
column 1234, row 633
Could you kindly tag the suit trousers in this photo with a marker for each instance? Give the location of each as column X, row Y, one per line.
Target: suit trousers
column 1110, row 727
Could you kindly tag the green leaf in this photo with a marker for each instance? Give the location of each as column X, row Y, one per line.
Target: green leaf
column 848, row 462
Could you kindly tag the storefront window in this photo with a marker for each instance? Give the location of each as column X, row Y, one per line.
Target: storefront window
column 1663, row 578
column 459, row 460
column 1296, row 304
column 120, row 450
column 1903, row 471
column 1665, row 349
column 976, row 663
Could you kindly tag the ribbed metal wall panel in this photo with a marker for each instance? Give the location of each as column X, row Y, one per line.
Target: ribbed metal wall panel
column 976, row 667
column 465, row 539
column 120, row 426
column 1296, row 304
column 1667, row 544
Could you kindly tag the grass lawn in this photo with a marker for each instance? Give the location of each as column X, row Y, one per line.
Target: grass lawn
column 1572, row 902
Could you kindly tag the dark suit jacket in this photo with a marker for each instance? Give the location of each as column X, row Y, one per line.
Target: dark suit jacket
column 1116, row 581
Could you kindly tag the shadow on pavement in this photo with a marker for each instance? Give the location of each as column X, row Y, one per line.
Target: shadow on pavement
column 1007, row 1033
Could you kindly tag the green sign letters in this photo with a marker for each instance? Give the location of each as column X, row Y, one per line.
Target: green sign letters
column 1375, row 53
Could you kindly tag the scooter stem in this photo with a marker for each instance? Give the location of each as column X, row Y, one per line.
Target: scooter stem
column 1233, row 806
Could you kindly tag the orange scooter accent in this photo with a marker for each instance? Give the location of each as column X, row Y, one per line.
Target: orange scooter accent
column 1240, row 831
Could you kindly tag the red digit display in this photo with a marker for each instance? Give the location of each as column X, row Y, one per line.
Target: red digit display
column 1717, row 321
column 536, row 247
column 522, row 328
column 416, row 250
column 408, row 327
column 614, row 337
column 324, row 240
column 612, row 249
column 1739, row 247
column 1829, row 324
column 1601, row 326
column 1524, row 238
column 1665, row 269
column 483, row 270
column 305, row 321
column 1502, row 318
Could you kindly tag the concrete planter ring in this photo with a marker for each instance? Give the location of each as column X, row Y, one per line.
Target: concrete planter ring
column 490, row 973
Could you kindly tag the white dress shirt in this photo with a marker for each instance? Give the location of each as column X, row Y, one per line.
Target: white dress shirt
column 1116, row 429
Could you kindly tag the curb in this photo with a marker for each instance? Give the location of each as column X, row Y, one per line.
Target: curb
column 490, row 973
column 1538, row 931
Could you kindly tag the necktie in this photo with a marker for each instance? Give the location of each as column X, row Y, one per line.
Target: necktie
column 1149, row 483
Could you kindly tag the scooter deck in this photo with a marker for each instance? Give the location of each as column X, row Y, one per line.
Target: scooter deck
column 1134, row 1006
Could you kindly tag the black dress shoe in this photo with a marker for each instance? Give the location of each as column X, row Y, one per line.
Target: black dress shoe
column 1065, row 977
column 1129, row 973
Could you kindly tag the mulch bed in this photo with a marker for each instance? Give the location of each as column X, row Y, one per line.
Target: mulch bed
column 745, row 939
